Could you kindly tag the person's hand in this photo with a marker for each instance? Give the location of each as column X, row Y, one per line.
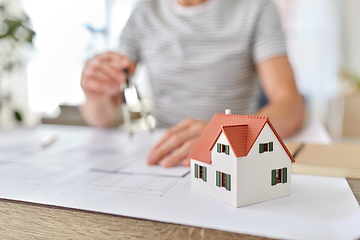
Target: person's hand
column 176, row 144
column 103, row 74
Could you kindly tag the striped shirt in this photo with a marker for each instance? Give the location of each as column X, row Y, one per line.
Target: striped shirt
column 202, row 59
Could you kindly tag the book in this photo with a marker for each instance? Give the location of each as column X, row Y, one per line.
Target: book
column 337, row 159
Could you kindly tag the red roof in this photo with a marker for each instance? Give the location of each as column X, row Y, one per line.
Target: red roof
column 232, row 124
column 236, row 136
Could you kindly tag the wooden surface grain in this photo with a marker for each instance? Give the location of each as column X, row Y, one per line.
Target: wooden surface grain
column 355, row 187
column 21, row 220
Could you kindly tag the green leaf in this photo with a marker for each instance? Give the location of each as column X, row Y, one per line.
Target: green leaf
column 13, row 26
column 30, row 38
column 13, row 22
column 18, row 116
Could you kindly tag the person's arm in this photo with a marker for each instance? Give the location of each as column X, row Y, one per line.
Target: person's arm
column 285, row 110
column 286, row 106
column 101, row 79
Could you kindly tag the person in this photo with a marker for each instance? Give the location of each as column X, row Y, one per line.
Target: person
column 203, row 56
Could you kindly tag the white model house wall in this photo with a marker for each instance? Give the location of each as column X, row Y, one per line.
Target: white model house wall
column 254, row 171
column 220, row 162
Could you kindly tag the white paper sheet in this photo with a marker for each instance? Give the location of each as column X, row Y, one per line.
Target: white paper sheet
column 101, row 170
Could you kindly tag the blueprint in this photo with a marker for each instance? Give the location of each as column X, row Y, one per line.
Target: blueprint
column 105, row 171
column 86, row 158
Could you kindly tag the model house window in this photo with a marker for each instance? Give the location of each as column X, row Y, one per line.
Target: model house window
column 200, row 172
column 222, row 148
column 266, row 147
column 278, row 176
column 223, row 180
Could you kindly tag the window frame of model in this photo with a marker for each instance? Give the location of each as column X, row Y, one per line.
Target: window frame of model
column 278, row 176
column 200, row 172
column 266, row 147
column 223, row 148
column 223, row 180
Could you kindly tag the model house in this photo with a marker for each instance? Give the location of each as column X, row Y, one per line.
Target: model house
column 241, row 160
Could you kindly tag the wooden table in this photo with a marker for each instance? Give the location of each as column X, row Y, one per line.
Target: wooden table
column 22, row 220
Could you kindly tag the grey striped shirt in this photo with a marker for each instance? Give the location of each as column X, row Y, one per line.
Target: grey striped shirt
column 202, row 60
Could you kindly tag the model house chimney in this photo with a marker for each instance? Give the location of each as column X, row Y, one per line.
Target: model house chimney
column 227, row 111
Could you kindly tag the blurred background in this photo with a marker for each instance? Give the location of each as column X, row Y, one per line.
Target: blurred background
column 43, row 52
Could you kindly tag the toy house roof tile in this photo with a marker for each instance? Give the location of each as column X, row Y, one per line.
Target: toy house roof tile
column 236, row 136
column 255, row 124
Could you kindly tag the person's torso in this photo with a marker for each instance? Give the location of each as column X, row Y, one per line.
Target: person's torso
column 200, row 62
